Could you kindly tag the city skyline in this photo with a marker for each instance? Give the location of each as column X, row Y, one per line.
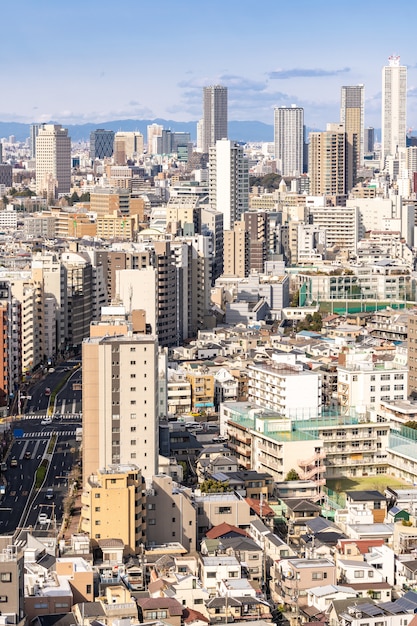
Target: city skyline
column 264, row 65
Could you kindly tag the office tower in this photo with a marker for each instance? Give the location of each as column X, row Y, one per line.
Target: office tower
column 101, row 143
column 394, row 106
column 369, row 140
column 1, row 153
column 120, row 374
column 79, row 284
column 200, row 135
column 127, row 146
column 53, row 160
column 214, row 115
column 6, row 175
column 352, row 116
column 228, row 181
column 289, row 140
column 332, row 166
column 34, row 130
column 153, row 130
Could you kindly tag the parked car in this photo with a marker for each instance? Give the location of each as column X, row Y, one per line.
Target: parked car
column 13, row 463
column 28, row 455
column 43, row 518
column 49, row 493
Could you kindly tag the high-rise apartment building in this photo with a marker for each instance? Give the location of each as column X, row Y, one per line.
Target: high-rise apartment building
column 289, row 140
column 352, row 116
column 101, row 143
column 214, row 115
column 53, row 160
column 228, row 181
column 332, row 165
column 120, row 372
column 394, row 106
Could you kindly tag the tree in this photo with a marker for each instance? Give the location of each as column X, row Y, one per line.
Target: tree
column 295, row 298
column 214, row 486
column 292, row 475
column 411, row 424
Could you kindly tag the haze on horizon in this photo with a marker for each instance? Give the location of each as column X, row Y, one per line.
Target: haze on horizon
column 97, row 61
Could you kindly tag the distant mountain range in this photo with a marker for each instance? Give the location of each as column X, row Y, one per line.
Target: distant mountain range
column 238, row 131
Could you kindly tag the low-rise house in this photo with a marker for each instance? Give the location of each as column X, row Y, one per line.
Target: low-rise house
column 215, row 508
column 298, row 513
column 372, row 501
column 292, row 578
column 357, row 571
column 320, row 597
column 224, row 610
column 168, row 610
column 214, row 569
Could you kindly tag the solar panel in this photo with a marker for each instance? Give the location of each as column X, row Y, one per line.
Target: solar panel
column 370, row 609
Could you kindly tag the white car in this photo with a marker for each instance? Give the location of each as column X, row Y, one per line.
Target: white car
column 43, row 518
column 47, row 420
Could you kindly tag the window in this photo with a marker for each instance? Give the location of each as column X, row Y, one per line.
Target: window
column 98, row 522
column 151, row 522
column 133, row 349
column 133, row 416
column 133, row 402
column 41, row 605
column 97, row 509
column 198, row 601
column 133, row 429
column 317, row 575
column 223, row 510
column 211, row 574
column 133, row 376
column 6, row 577
column 133, row 442
column 88, row 588
column 98, row 536
column 173, row 520
column 61, row 605
column 232, row 574
column 96, row 495
column 3, row 598
column 359, row 573
column 133, row 389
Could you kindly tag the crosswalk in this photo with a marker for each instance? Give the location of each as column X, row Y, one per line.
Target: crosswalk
column 44, row 434
column 37, row 416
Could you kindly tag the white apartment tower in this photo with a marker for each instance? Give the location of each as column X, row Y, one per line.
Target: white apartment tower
column 120, row 400
column 228, row 181
column 394, row 106
column 53, row 160
column 352, row 116
column 289, row 139
column 214, row 115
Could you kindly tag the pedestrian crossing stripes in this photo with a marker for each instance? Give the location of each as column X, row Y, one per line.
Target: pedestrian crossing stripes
column 47, row 433
column 37, row 416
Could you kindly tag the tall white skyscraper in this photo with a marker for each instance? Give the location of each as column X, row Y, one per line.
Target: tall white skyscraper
column 394, row 106
column 289, row 139
column 214, row 115
column 228, row 181
column 352, row 116
column 53, row 160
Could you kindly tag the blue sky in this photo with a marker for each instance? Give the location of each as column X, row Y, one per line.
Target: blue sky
column 98, row 60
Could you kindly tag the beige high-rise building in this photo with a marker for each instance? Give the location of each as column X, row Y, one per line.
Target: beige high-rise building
column 352, row 116
column 113, row 506
column 53, row 160
column 119, row 399
column 153, row 130
column 127, row 146
column 236, row 251
column 332, row 166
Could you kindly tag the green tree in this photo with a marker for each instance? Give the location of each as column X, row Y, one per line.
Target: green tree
column 411, row 424
column 292, row 475
column 295, row 298
column 214, row 486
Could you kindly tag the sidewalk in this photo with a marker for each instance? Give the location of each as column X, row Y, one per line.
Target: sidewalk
column 74, row 521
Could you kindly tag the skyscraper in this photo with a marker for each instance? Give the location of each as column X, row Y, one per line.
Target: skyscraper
column 53, row 160
column 352, row 116
column 289, row 139
column 394, row 106
column 34, row 130
column 101, row 143
column 214, row 115
column 228, row 181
